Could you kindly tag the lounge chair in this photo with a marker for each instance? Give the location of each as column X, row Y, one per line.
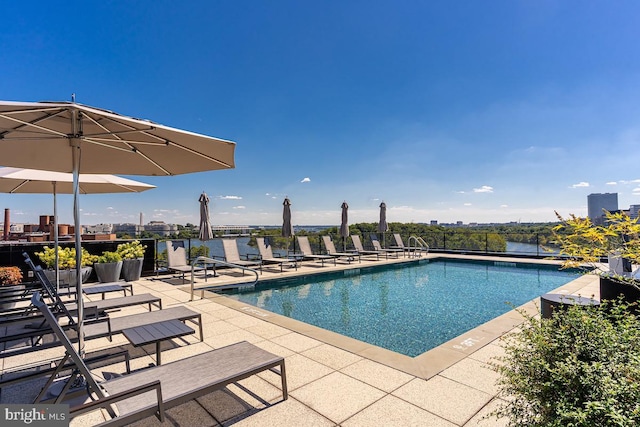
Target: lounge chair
column 378, row 247
column 266, row 255
column 409, row 250
column 151, row 391
column 358, row 245
column 232, row 256
column 94, row 326
column 307, row 253
column 99, row 306
column 177, row 259
column 331, row 250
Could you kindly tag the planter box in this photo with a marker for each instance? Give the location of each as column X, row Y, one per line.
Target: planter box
column 68, row 277
column 132, row 269
column 610, row 290
column 108, row 271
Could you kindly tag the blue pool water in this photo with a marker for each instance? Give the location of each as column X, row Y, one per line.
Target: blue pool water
column 408, row 309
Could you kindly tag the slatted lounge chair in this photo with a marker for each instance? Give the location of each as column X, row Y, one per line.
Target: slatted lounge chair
column 100, row 306
column 307, row 253
column 331, row 250
column 232, row 256
column 121, row 302
column 378, row 247
column 96, row 327
column 177, row 259
column 357, row 243
column 413, row 250
column 118, row 324
column 40, row 336
column 266, row 255
column 153, row 390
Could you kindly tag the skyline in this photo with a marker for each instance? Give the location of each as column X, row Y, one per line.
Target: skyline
column 492, row 112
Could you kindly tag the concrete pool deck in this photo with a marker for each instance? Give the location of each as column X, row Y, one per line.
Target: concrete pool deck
column 333, row 380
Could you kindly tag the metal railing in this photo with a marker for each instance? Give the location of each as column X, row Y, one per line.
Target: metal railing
column 417, row 244
column 449, row 240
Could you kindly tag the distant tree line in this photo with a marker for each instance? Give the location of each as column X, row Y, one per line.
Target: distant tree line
column 491, row 238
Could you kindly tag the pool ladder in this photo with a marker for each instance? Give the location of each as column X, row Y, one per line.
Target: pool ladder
column 417, row 246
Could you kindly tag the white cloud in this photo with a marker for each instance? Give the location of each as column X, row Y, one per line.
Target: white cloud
column 468, row 204
column 460, row 192
column 580, row 185
column 239, row 207
column 611, row 183
column 230, row 197
column 636, row 191
column 110, row 207
column 483, row 189
column 307, row 179
column 504, row 206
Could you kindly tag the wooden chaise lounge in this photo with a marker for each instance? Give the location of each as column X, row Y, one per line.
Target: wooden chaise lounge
column 153, row 390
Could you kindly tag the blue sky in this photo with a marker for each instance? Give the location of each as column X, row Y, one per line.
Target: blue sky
column 490, row 111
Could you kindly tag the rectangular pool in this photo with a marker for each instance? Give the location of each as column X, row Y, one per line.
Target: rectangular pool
column 408, row 309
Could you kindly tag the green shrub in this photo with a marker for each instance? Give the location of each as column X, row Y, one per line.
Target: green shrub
column 109, row 257
column 197, row 251
column 579, row 368
column 131, row 250
column 66, row 257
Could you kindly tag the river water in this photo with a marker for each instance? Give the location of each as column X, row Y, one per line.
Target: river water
column 215, row 248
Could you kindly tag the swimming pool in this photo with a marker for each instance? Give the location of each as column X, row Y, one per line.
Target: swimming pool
column 408, row 309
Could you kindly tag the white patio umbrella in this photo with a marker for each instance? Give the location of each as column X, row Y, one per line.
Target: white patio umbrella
column 205, row 223
column 344, row 225
column 71, row 137
column 32, row 181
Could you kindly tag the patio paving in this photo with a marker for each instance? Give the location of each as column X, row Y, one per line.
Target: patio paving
column 333, row 380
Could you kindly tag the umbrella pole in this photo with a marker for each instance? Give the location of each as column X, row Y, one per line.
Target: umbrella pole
column 75, row 150
column 55, row 236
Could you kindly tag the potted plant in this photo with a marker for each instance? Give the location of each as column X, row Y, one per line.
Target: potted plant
column 66, row 264
column 108, row 266
column 132, row 254
column 10, row 280
column 586, row 245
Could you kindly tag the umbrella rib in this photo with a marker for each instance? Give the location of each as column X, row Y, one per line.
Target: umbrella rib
column 161, row 140
column 131, row 150
column 108, row 132
column 17, row 187
column 33, row 124
column 106, row 143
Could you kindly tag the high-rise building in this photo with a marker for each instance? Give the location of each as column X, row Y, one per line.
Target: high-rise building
column 597, row 203
column 634, row 210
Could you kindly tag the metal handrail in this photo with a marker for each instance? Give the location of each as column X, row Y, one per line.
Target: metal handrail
column 419, row 244
column 206, row 260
